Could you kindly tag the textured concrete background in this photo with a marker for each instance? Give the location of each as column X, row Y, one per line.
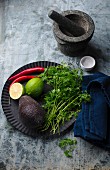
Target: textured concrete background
column 26, row 36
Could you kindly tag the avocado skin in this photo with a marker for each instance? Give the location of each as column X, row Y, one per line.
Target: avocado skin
column 31, row 112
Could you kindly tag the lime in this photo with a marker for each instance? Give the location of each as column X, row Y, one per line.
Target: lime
column 34, row 87
column 16, row 90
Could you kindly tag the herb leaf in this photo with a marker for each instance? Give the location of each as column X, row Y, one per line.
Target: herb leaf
column 68, row 145
column 66, row 142
column 68, row 153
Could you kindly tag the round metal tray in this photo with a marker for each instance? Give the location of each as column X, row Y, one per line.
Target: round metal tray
column 10, row 107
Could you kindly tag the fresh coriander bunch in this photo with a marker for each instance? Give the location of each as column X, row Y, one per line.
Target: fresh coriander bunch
column 66, row 97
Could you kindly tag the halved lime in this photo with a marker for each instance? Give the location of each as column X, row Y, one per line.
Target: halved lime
column 16, row 90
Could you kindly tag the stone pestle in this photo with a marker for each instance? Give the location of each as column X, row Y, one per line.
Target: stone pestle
column 70, row 26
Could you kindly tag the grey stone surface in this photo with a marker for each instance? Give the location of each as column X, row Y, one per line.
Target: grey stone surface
column 26, row 36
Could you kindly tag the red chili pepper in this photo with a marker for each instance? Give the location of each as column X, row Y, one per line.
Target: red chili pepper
column 22, row 78
column 27, row 71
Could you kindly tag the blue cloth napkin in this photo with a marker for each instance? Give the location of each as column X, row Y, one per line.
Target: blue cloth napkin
column 93, row 122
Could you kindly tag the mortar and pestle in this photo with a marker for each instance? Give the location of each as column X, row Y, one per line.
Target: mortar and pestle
column 72, row 30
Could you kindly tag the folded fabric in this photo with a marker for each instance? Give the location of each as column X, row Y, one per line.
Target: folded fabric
column 93, row 122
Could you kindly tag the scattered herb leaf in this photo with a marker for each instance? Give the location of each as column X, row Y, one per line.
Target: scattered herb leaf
column 68, row 153
column 68, row 145
column 66, row 142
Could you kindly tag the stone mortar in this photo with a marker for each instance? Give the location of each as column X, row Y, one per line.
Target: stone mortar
column 69, row 44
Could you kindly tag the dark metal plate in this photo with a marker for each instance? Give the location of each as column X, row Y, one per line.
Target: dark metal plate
column 10, row 107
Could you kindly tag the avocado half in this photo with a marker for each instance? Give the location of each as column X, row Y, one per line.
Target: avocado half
column 31, row 112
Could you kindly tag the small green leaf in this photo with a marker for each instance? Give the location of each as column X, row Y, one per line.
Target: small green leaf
column 68, row 145
column 75, row 141
column 68, row 153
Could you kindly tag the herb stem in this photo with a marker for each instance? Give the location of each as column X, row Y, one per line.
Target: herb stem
column 70, row 103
